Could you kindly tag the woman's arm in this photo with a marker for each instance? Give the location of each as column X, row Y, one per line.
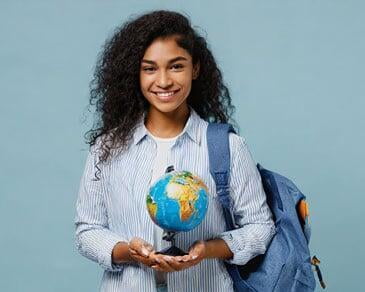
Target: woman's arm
column 121, row 254
column 250, row 208
column 93, row 239
column 137, row 250
column 217, row 248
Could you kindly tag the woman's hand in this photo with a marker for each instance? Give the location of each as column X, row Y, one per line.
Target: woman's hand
column 140, row 250
column 165, row 263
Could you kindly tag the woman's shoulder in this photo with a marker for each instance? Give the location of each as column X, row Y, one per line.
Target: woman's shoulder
column 102, row 144
column 99, row 143
column 241, row 155
column 236, row 142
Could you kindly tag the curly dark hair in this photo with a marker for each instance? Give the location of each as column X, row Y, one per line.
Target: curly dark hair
column 115, row 90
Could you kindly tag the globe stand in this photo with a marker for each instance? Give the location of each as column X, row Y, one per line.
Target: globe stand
column 172, row 250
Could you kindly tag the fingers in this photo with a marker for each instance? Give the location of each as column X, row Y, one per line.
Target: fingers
column 186, row 258
column 147, row 246
column 172, row 263
column 162, row 263
column 139, row 246
column 194, row 254
column 175, row 264
column 197, row 250
column 134, row 243
column 163, row 266
column 145, row 261
column 143, row 252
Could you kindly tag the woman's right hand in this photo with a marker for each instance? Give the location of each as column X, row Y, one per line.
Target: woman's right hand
column 139, row 251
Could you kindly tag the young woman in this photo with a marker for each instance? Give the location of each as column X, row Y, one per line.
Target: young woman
column 156, row 87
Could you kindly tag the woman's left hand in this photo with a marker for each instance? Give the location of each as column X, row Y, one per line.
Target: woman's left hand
column 165, row 263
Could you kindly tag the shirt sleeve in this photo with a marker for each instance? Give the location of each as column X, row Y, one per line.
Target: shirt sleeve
column 250, row 209
column 94, row 240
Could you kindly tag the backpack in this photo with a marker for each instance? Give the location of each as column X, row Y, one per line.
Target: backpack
column 286, row 264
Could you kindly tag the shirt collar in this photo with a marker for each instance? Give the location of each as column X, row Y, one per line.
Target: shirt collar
column 191, row 128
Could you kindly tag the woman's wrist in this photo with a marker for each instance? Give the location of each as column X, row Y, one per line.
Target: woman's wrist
column 120, row 253
column 217, row 248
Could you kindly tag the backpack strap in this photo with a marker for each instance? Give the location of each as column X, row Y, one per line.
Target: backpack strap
column 219, row 166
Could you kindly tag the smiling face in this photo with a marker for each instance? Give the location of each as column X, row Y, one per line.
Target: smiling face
column 166, row 76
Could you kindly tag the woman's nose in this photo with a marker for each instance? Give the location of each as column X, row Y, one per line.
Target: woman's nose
column 164, row 80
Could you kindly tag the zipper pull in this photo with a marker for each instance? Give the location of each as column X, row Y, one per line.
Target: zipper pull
column 315, row 262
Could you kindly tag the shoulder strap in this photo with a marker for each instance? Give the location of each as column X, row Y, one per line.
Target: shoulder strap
column 219, row 166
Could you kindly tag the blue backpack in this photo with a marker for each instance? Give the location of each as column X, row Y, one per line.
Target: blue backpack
column 286, row 264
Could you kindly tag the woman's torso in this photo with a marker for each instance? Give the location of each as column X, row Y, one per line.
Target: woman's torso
column 129, row 177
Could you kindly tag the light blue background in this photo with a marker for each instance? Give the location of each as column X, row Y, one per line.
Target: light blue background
column 296, row 74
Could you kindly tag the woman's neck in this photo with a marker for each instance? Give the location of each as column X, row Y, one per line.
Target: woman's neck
column 166, row 125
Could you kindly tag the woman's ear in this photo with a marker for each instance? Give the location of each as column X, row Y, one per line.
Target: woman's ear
column 196, row 70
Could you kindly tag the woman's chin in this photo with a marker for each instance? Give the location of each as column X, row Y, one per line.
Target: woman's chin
column 171, row 107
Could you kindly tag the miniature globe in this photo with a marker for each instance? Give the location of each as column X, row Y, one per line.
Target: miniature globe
column 178, row 201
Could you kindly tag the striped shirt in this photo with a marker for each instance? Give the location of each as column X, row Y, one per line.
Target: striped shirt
column 114, row 209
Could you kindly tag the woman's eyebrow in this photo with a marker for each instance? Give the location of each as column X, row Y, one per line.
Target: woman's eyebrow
column 180, row 58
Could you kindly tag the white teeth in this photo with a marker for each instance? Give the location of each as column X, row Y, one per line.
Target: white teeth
column 165, row 93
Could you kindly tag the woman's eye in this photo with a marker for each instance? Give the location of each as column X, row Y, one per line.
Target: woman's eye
column 148, row 69
column 177, row 66
column 151, row 69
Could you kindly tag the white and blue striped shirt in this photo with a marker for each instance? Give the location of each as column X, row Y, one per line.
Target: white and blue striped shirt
column 114, row 209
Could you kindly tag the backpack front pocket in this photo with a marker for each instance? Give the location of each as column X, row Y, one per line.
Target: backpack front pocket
column 304, row 279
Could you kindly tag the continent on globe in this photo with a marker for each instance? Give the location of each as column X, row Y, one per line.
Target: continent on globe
column 152, row 207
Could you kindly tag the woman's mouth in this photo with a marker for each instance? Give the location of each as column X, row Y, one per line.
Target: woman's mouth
column 166, row 95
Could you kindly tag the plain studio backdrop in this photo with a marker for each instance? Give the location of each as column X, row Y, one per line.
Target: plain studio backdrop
column 296, row 74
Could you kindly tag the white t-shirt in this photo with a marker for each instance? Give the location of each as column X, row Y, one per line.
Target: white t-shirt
column 159, row 168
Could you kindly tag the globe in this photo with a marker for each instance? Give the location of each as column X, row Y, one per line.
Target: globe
column 178, row 201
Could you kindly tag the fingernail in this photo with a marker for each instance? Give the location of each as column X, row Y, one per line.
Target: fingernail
column 144, row 251
column 194, row 257
column 158, row 261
